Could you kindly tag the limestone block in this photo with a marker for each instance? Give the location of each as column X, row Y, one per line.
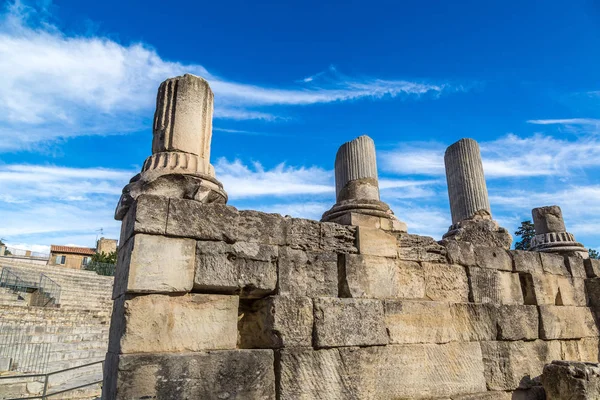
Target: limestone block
column 493, row 258
column 358, row 219
column 375, row 242
column 547, row 289
column 192, row 219
column 420, row 248
column 248, row 269
column 588, row 349
column 307, row 273
column 516, row 322
column 592, row 288
column 303, row 234
column 155, row 264
column 224, row 374
column 486, row 396
column 576, row 266
column 527, row 261
column 260, row 227
column 571, row 380
column 493, row 286
column 379, row 277
column 567, row 322
column 148, row 214
column 348, row 322
column 533, row 393
column 161, row 323
column 548, row 219
column 338, row 238
column 462, row 253
column 445, row 282
column 512, row 365
column 592, row 268
column 554, row 264
column 275, row 322
column 414, row 371
column 435, row 322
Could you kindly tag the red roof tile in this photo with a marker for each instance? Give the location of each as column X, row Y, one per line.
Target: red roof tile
column 72, row 250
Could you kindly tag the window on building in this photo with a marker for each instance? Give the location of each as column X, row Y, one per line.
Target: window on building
column 85, row 261
column 61, row 259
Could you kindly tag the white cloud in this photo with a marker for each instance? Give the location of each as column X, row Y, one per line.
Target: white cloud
column 56, row 85
column 568, row 121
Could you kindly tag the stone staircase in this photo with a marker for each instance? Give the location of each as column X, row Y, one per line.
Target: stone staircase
column 75, row 333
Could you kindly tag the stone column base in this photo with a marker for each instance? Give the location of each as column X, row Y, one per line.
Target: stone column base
column 480, row 232
column 558, row 242
column 370, row 213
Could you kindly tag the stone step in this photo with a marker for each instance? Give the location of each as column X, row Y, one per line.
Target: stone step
column 54, row 338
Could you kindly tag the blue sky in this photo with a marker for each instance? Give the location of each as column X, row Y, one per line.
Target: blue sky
column 292, row 82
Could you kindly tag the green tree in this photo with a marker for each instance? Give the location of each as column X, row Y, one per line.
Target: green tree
column 594, row 254
column 526, row 233
column 110, row 258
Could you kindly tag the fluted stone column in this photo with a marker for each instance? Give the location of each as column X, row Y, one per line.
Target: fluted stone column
column 179, row 166
column 466, row 184
column 357, row 188
column 551, row 235
column 469, row 204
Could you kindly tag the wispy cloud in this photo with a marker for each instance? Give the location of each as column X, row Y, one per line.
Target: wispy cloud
column 56, row 85
column 569, row 121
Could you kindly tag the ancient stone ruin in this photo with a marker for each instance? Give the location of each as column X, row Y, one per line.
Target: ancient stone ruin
column 211, row 302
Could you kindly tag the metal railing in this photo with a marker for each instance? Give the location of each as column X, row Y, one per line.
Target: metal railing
column 45, row 292
column 105, row 269
column 9, row 279
column 24, row 355
column 45, row 393
column 49, row 289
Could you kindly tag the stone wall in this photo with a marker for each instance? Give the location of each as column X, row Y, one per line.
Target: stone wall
column 216, row 303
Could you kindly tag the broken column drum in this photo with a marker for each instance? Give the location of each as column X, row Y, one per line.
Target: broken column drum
column 357, row 186
column 551, row 235
column 180, row 162
column 466, row 184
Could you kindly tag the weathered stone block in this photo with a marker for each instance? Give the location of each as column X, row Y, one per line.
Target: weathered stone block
column 571, row 380
column 576, row 266
column 248, row 269
column 420, row 248
column 303, row 234
column 567, row 322
column 307, row 273
column 592, row 268
column 348, row 322
column 588, row 349
column 592, row 288
column 445, row 282
column 462, row 253
column 155, row 264
column 161, row 323
column 533, row 393
column 512, row 365
column 260, row 227
column 338, row 238
column 275, row 322
column 493, row 258
column 225, row 374
column 148, row 214
column 527, row 261
column 493, row 286
column 192, row 219
column 486, row 396
column 554, row 264
column 436, row 322
column 411, row 371
column 516, row 322
column 547, row 289
column 375, row 242
column 379, row 277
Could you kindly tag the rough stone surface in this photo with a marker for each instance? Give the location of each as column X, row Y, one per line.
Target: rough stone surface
column 554, row 264
column 548, row 219
column 516, row 322
column 275, row 322
column 307, row 273
column 348, row 322
column 155, row 264
column 375, row 242
column 379, row 277
column 148, row 214
column 445, row 282
column 420, row 248
column 382, row 372
column 191, row 219
column 592, row 288
column 215, row 375
column 247, row 269
column 512, row 365
column 547, row 289
column 338, row 238
column 493, row 286
column 567, row 322
column 493, row 258
column 260, row 227
column 592, row 268
column 486, row 396
column 436, row 322
column 462, row 253
column 481, row 232
column 571, row 381
column 303, row 234
column 527, row 261
column 162, row 323
column 576, row 267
